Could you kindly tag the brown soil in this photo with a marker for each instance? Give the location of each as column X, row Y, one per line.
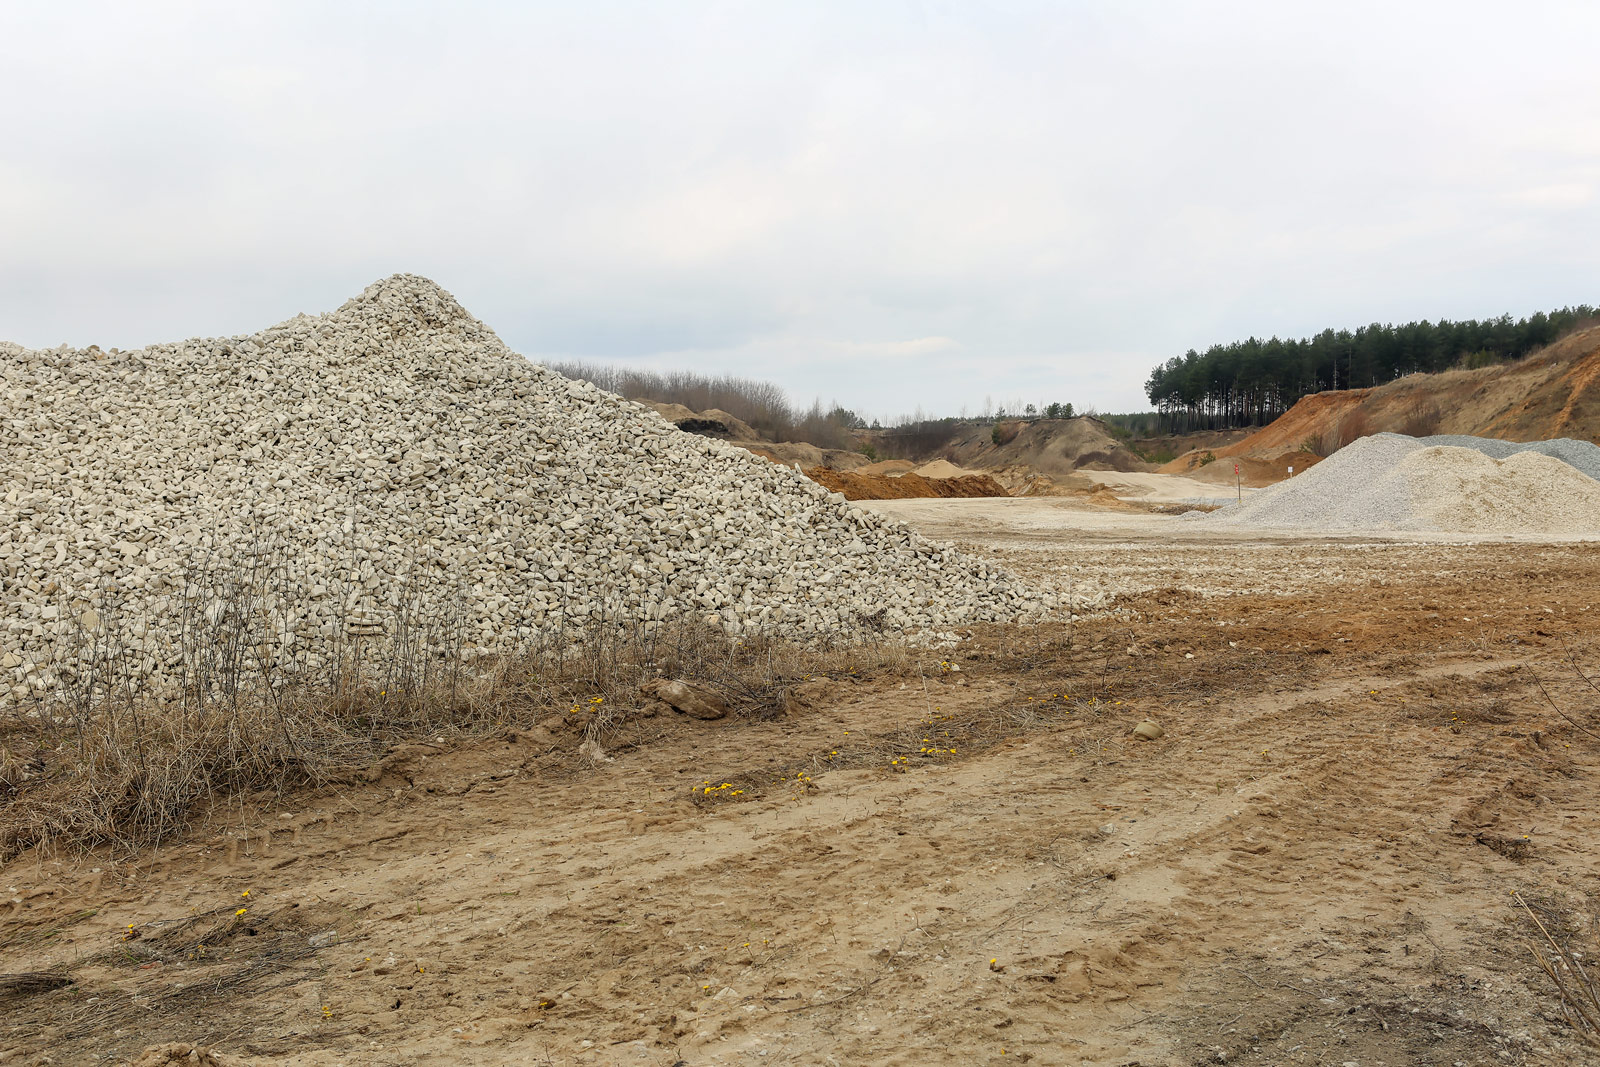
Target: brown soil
column 1082, row 489
column 1254, row 471
column 857, row 486
column 1106, row 497
column 1025, row 481
column 1367, row 748
column 1197, row 441
column 1038, row 457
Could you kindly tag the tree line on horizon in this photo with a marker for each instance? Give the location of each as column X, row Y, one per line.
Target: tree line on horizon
column 764, row 406
column 1252, row 382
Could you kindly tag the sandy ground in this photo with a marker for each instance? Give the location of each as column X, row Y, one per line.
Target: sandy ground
column 1368, row 747
column 1165, row 488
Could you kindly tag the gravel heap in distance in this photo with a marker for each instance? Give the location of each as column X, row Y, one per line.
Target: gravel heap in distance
column 1583, row 455
column 1393, row 482
column 396, row 454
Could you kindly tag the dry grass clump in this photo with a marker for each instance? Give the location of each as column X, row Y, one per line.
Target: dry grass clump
column 1577, row 990
column 127, row 772
column 107, row 756
column 241, row 952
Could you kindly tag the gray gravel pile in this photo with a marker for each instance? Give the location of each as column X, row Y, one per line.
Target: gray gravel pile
column 1398, row 483
column 392, row 461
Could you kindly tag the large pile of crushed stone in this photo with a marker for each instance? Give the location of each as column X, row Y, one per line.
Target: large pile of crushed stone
column 393, row 460
column 1583, row 455
column 1392, row 482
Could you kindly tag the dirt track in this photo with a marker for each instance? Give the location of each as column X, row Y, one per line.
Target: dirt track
column 1313, row 865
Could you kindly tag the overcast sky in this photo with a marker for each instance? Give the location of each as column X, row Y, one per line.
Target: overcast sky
column 898, row 204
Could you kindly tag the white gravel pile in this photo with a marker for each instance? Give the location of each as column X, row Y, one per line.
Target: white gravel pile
column 392, row 460
column 1583, row 455
column 1393, row 482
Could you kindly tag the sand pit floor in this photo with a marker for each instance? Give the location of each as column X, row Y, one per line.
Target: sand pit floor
column 1315, row 864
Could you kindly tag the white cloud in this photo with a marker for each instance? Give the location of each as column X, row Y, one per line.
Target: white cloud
column 888, row 205
column 916, row 347
column 1564, row 195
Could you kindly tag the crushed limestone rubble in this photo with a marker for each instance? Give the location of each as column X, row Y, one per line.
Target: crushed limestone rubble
column 391, row 461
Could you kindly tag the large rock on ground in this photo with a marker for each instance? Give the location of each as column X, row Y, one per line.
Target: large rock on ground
column 694, row 700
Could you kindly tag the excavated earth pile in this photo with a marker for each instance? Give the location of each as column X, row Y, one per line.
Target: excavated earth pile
column 857, row 486
column 394, row 461
column 1465, row 485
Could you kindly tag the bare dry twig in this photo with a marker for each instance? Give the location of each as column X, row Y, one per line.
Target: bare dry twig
column 1557, row 708
column 1579, row 997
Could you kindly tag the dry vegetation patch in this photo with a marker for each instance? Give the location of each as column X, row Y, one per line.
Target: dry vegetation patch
column 103, row 763
column 1315, row 862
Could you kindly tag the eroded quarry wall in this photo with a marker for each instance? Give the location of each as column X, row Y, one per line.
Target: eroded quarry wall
column 1553, row 394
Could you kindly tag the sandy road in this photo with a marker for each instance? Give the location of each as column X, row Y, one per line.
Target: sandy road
column 1313, row 865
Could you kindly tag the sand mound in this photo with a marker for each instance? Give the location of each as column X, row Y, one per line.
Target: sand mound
column 942, row 468
column 888, row 468
column 1025, row 481
column 1254, row 471
column 857, row 486
column 803, row 456
column 1392, row 482
column 712, row 422
column 736, row 428
column 393, row 462
column 673, row 413
column 1055, row 447
column 1581, row 455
